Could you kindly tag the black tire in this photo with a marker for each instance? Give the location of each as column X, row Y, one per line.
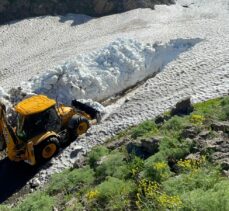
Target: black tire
column 74, row 126
column 44, row 146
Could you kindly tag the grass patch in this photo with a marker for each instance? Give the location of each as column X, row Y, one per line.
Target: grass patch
column 146, row 129
column 113, row 165
column 36, row 201
column 71, row 181
column 112, row 194
column 96, row 154
column 215, row 109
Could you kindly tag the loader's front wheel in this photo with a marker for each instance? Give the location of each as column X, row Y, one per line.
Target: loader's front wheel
column 47, row 149
column 78, row 125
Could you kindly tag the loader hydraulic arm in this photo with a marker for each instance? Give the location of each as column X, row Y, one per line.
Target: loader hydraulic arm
column 2, row 119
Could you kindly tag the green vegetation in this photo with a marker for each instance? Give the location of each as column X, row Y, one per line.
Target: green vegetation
column 117, row 180
column 37, row 201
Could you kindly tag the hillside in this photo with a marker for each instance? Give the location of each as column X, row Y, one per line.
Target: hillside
column 133, row 66
column 177, row 161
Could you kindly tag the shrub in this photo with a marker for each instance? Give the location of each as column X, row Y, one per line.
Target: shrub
column 203, row 178
column 215, row 198
column 197, row 119
column 36, row 201
column 4, row 208
column 148, row 128
column 95, row 155
column 112, row 194
column 113, row 165
column 212, row 109
column 176, row 123
column 157, row 171
column 151, row 197
column 136, row 165
column 69, row 181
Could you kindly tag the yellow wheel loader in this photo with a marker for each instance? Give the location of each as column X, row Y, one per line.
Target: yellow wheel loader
column 43, row 127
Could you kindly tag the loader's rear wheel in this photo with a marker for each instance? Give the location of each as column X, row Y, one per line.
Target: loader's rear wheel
column 78, row 125
column 47, row 149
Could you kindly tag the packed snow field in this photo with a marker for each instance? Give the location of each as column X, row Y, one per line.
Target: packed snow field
column 188, row 48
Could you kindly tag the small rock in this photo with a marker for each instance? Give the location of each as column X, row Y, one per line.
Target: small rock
column 220, row 126
column 204, row 134
column 116, row 144
column 151, row 145
column 225, row 164
column 159, row 120
column 55, row 209
column 35, row 183
column 101, row 160
column 195, row 156
column 71, row 204
column 79, row 163
column 184, row 107
column 226, row 173
column 190, row 132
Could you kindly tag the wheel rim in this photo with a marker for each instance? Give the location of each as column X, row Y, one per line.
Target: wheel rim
column 49, row 151
column 82, row 128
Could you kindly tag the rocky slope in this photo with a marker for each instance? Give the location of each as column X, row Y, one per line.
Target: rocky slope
column 20, row 9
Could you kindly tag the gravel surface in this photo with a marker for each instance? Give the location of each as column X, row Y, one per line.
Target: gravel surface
column 32, row 46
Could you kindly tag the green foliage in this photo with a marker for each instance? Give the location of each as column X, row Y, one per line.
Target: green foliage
column 203, row 178
column 112, row 194
column 215, row 198
column 113, row 165
column 95, row 155
column 175, row 124
column 36, row 201
column 213, row 109
column 4, row 208
column 150, row 196
column 69, row 181
column 117, row 180
column 146, row 129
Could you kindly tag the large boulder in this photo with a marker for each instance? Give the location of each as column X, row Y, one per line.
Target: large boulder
column 183, row 107
column 144, row 148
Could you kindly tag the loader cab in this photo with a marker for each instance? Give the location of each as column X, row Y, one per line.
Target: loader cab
column 35, row 116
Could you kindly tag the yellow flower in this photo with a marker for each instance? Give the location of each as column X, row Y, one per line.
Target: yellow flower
column 197, row 119
column 160, row 165
column 91, row 195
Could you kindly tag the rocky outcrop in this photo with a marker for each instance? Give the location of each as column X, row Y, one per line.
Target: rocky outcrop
column 20, row 9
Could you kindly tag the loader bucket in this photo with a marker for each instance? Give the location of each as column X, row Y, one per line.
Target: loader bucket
column 95, row 114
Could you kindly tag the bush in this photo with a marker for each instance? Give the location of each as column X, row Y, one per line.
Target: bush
column 157, row 171
column 69, row 181
column 211, row 109
column 113, row 165
column 146, row 129
column 112, row 194
column 151, row 197
column 95, row 155
column 203, row 178
column 4, row 208
column 175, row 124
column 36, row 201
column 215, row 198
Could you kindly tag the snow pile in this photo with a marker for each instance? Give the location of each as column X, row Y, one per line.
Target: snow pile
column 4, row 96
column 108, row 71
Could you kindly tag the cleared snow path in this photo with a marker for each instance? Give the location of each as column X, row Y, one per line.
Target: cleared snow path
column 35, row 45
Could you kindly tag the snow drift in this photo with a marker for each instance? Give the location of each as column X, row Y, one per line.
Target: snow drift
column 108, row 71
